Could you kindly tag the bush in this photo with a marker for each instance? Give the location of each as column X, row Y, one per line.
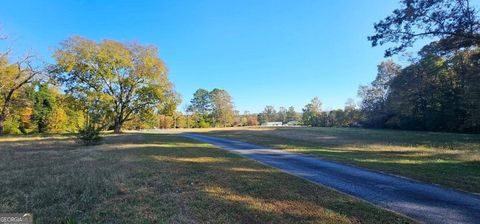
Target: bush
column 203, row 124
column 11, row 126
column 89, row 135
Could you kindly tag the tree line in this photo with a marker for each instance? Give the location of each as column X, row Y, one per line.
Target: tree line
column 439, row 89
column 106, row 85
column 109, row 85
column 434, row 93
column 206, row 109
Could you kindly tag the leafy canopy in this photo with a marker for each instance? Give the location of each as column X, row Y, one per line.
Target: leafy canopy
column 455, row 22
column 117, row 80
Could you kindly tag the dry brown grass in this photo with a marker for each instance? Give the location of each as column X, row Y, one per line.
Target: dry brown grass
column 142, row 178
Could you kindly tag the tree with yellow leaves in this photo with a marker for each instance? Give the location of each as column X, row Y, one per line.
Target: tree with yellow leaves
column 115, row 80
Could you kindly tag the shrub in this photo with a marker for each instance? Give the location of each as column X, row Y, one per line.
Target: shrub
column 203, row 124
column 11, row 126
column 89, row 135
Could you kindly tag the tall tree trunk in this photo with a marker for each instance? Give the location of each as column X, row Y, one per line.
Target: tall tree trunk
column 117, row 127
column 3, row 113
column 2, row 119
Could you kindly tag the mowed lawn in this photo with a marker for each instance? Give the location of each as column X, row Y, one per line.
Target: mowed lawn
column 448, row 159
column 160, row 178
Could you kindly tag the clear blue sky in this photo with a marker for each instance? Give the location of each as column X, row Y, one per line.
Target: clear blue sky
column 264, row 52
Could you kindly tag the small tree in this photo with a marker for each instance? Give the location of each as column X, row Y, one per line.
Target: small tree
column 268, row 114
column 222, row 107
column 90, row 135
column 282, row 114
column 374, row 96
column 292, row 115
column 311, row 112
column 252, row 120
column 43, row 104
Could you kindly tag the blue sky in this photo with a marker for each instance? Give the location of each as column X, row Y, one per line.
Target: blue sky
column 264, row 52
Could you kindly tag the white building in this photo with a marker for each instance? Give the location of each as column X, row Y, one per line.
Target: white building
column 272, row 124
column 292, row 123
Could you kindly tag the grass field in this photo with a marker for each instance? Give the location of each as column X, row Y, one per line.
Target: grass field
column 451, row 160
column 158, row 178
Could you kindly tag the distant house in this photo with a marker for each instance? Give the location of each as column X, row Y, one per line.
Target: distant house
column 292, row 123
column 272, row 124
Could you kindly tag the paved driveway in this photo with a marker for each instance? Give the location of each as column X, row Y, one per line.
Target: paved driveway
column 423, row 202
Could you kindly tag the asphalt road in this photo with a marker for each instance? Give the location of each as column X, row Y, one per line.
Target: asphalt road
column 419, row 201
